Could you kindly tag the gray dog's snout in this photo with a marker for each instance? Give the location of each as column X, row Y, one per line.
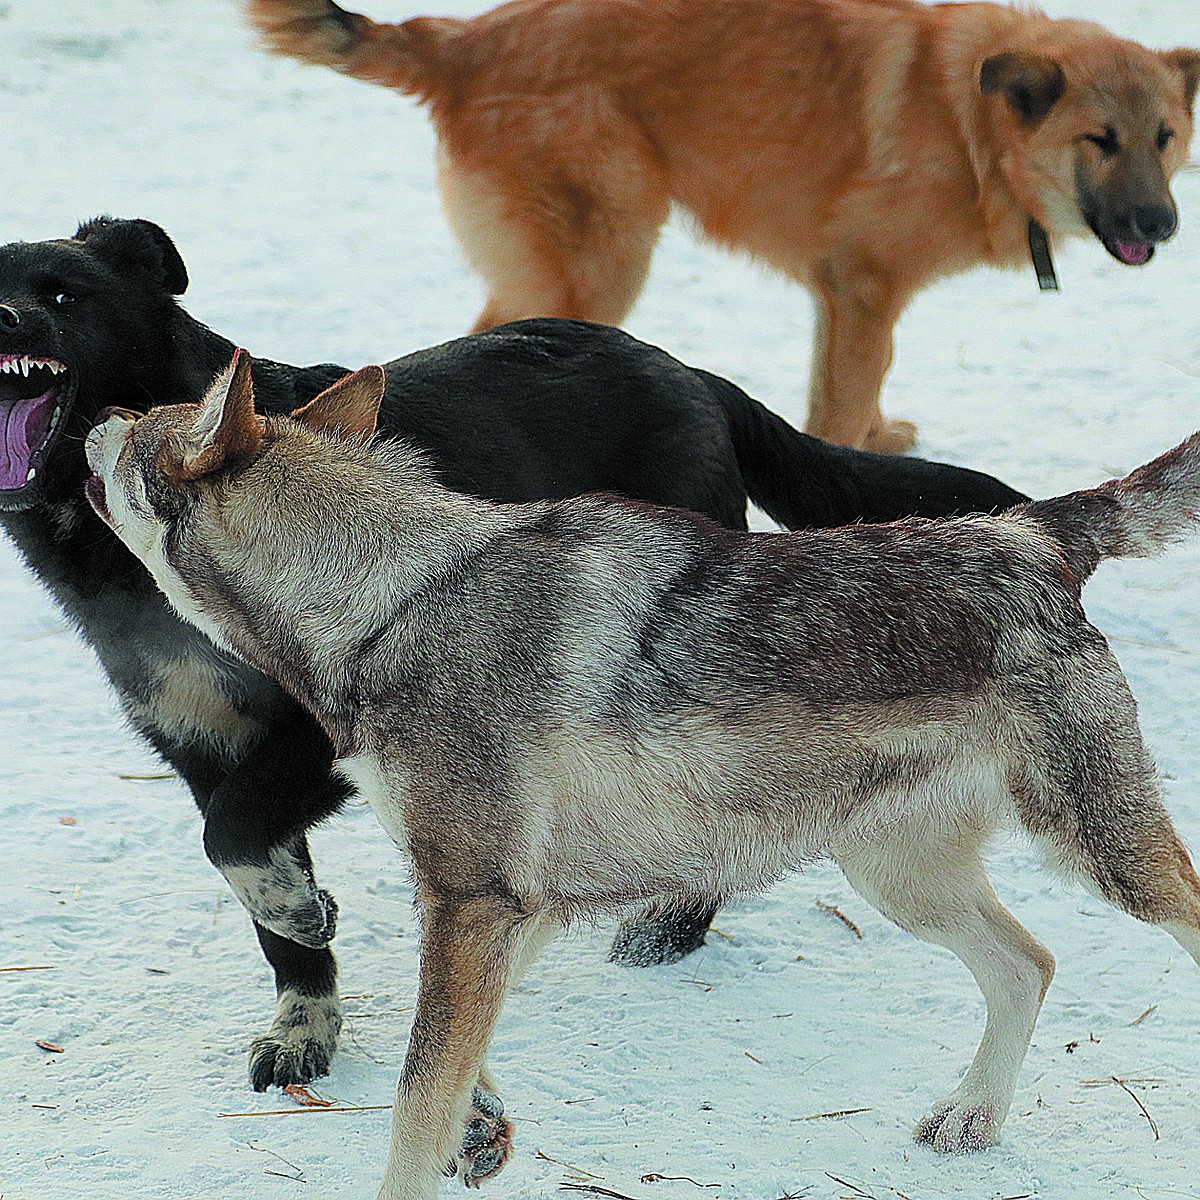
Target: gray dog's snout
column 9, row 317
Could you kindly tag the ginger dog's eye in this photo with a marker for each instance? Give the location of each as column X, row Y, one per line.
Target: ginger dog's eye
column 1164, row 138
column 1108, row 142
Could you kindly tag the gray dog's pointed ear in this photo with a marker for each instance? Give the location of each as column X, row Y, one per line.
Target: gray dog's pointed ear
column 1031, row 83
column 348, row 408
column 228, row 431
column 1187, row 62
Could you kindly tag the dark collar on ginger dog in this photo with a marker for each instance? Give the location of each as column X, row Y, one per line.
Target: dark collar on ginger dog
column 1043, row 264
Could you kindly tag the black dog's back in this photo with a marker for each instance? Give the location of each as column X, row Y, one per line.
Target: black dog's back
column 496, row 410
column 547, row 409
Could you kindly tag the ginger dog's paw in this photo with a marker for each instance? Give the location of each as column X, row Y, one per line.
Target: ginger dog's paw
column 486, row 1142
column 892, row 437
column 954, row 1128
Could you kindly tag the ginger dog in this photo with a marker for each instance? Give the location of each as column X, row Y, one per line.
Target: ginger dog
column 863, row 148
column 564, row 707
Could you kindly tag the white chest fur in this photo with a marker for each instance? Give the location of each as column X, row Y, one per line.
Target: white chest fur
column 364, row 773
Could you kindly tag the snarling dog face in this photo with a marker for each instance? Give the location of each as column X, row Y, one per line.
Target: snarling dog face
column 37, row 385
column 34, row 401
column 1093, row 129
column 72, row 313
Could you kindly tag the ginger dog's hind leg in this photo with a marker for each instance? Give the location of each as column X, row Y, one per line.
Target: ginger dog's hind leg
column 555, row 238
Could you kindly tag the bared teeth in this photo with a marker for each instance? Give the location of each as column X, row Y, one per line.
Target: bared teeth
column 22, row 364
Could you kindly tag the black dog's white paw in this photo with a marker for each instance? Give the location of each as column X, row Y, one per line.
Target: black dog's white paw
column 486, row 1142
column 284, row 898
column 655, row 937
column 300, row 1044
column 315, row 924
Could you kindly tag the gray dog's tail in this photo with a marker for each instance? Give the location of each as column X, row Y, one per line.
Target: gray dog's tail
column 1134, row 517
column 408, row 57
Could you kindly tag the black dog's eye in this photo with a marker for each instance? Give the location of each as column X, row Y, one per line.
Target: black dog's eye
column 62, row 299
column 1164, row 138
column 1107, row 141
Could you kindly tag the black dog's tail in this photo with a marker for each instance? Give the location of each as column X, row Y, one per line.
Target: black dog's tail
column 408, row 57
column 1134, row 517
column 798, row 479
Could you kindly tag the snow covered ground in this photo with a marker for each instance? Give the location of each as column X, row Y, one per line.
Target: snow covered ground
column 305, row 209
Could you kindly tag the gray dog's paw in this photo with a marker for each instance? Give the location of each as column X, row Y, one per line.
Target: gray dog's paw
column 959, row 1128
column 486, row 1142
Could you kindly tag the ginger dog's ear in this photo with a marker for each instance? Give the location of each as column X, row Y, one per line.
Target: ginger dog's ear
column 348, row 408
column 228, row 431
column 1187, row 62
column 1031, row 83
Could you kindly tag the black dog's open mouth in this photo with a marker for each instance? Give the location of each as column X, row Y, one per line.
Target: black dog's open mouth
column 35, row 396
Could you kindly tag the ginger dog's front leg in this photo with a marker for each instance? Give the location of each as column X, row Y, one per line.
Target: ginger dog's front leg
column 471, row 951
column 852, row 350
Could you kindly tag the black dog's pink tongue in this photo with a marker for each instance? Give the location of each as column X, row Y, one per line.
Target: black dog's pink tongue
column 26, row 423
column 1134, row 253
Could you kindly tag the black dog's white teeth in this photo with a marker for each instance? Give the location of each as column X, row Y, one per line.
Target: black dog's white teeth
column 22, row 364
column 55, row 420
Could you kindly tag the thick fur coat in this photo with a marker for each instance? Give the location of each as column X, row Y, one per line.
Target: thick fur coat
column 562, row 708
column 863, row 148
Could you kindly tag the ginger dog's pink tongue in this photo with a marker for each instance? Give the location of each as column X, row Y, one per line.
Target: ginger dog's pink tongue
column 1134, row 253
column 25, row 425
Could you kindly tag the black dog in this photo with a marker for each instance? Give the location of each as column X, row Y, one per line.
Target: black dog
column 536, row 409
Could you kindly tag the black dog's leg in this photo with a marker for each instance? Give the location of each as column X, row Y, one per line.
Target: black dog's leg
column 254, row 835
column 270, row 872
column 662, row 934
column 300, row 1044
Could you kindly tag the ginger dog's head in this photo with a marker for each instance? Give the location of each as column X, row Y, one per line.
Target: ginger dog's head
column 226, row 507
column 1089, row 129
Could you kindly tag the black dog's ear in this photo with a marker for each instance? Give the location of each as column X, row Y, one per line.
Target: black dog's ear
column 1031, row 83
column 138, row 244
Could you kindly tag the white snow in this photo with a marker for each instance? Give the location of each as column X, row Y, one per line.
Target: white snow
column 304, row 206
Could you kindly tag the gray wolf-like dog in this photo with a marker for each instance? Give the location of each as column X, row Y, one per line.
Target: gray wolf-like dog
column 563, row 707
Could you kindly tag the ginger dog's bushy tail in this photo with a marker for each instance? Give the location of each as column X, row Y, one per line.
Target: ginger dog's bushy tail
column 406, row 57
column 1134, row 517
